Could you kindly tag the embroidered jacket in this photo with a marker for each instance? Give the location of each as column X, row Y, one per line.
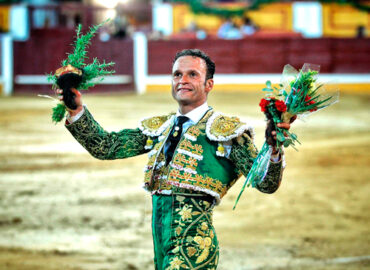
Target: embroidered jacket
column 199, row 162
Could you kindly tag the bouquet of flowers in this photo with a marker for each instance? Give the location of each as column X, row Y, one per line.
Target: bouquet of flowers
column 74, row 73
column 300, row 95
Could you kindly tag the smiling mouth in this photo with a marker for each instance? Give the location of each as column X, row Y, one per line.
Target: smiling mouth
column 183, row 89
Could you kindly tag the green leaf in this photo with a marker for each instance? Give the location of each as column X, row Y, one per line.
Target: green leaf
column 280, row 137
column 267, row 89
column 58, row 113
column 287, row 142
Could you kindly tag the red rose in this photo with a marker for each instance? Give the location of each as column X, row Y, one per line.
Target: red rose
column 310, row 102
column 280, row 105
column 263, row 104
column 314, row 108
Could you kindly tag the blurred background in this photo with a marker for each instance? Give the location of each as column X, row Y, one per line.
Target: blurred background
column 62, row 209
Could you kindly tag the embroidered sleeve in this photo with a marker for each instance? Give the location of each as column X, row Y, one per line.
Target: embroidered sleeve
column 273, row 178
column 107, row 145
column 244, row 152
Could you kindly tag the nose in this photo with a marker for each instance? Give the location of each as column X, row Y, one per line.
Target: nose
column 184, row 79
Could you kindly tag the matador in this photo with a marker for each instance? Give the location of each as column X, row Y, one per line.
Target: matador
column 195, row 156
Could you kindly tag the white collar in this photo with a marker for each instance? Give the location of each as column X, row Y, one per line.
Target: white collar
column 196, row 114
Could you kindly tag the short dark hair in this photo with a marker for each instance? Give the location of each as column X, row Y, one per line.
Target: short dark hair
column 211, row 67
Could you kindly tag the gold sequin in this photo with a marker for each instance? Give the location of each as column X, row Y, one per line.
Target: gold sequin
column 152, row 124
column 225, row 125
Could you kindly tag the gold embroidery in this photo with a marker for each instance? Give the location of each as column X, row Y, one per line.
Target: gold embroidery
column 218, row 185
column 185, row 161
column 180, row 198
column 151, row 163
column 176, row 176
column 206, row 204
column 225, row 126
column 153, row 123
column 191, row 251
column 194, row 235
column 178, row 230
column 193, row 131
column 175, row 264
column 186, row 144
column 188, row 176
column 175, row 173
column 107, row 145
column 193, row 163
column 204, row 226
column 185, row 212
column 196, row 149
column 204, row 244
column 200, row 179
column 179, row 159
column 252, row 150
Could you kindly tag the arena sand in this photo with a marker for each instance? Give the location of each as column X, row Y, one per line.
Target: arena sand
column 62, row 209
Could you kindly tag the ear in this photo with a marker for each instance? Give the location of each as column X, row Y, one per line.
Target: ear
column 209, row 85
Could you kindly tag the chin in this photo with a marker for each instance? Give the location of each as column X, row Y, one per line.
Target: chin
column 183, row 98
column 183, row 101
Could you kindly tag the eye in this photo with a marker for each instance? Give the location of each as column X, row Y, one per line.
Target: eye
column 177, row 74
column 193, row 74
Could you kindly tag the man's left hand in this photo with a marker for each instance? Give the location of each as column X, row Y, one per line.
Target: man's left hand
column 283, row 125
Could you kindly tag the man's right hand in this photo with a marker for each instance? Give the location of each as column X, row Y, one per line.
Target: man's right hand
column 78, row 100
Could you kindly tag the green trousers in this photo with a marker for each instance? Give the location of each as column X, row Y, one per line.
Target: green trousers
column 183, row 234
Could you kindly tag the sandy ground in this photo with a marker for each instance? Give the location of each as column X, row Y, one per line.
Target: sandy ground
column 62, row 209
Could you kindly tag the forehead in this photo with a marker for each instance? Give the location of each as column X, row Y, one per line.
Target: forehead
column 188, row 62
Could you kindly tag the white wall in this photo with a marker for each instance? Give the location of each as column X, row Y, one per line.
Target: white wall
column 19, row 26
column 162, row 18
column 307, row 19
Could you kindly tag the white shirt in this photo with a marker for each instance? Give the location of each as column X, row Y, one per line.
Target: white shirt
column 194, row 115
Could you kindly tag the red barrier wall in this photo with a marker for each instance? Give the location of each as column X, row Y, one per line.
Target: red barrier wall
column 46, row 48
column 43, row 52
column 268, row 55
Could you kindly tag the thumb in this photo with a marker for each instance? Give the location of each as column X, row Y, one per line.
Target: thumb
column 293, row 119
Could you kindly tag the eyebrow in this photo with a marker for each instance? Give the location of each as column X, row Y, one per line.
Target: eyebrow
column 192, row 70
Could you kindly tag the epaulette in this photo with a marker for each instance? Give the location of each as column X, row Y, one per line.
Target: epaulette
column 222, row 128
column 155, row 126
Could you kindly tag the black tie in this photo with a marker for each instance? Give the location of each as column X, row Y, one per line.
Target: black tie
column 174, row 137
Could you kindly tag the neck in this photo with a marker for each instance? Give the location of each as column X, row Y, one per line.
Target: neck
column 186, row 108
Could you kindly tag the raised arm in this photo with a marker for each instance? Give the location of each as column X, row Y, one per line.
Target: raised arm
column 100, row 143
